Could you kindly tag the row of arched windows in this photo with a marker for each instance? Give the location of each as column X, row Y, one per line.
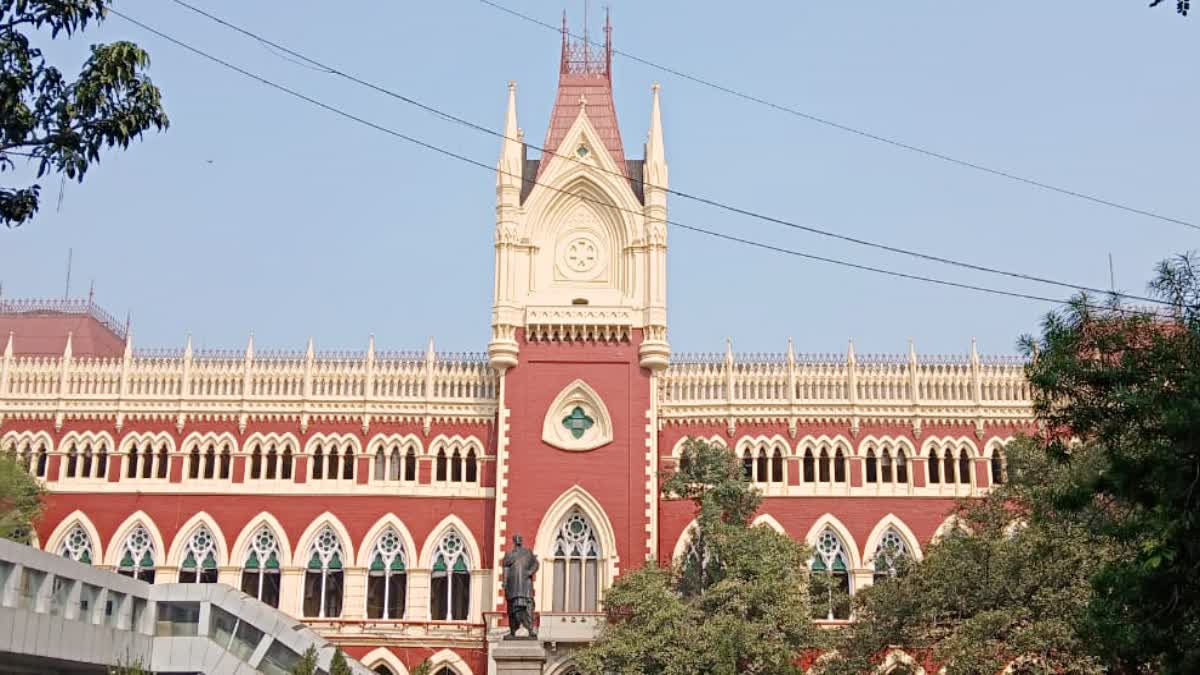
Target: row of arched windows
column 323, row 588
column 213, row 460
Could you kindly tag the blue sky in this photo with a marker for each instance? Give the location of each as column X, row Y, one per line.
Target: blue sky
column 256, row 212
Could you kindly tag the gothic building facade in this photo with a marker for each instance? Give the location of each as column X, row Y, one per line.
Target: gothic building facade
column 372, row 494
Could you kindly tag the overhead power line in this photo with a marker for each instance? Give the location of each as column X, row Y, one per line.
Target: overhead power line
column 314, row 64
column 856, row 131
column 488, row 167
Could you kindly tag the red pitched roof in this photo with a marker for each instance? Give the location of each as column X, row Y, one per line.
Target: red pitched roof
column 585, row 76
column 40, row 328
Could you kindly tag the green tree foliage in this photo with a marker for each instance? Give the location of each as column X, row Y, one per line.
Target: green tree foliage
column 1181, row 6
column 1012, row 583
column 422, row 668
column 1127, row 384
column 61, row 125
column 20, row 499
column 738, row 603
column 338, row 665
column 307, row 665
column 130, row 666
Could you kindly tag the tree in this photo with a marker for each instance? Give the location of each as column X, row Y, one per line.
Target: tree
column 338, row 665
column 737, row 603
column 1011, row 584
column 1127, row 384
column 422, row 668
column 1181, row 6
column 307, row 665
column 130, row 666
column 60, row 125
column 20, row 499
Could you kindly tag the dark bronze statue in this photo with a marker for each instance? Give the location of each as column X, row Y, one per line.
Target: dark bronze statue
column 520, row 564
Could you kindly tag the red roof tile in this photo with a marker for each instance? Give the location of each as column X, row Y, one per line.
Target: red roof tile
column 40, row 328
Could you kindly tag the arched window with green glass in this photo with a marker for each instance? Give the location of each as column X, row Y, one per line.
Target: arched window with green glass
column 77, row 545
column 576, row 565
column 450, row 582
column 137, row 555
column 891, row 556
column 831, row 577
column 199, row 564
column 387, row 577
column 260, row 573
column 324, row 578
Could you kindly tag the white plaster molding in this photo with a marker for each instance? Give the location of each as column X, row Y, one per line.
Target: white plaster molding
column 305, row 541
column 580, row 395
column 388, row 520
column 175, row 553
column 55, row 541
column 383, row 656
column 245, row 539
column 112, row 550
column 892, row 521
column 831, row 521
column 450, row 522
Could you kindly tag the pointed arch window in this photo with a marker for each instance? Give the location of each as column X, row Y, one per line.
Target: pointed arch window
column 260, row 573
column 77, row 545
column 137, row 555
column 998, row 468
column 948, row 465
column 394, row 464
column 318, row 463
column 256, row 463
column 472, row 468
column 964, row 466
column 777, row 466
column 808, row 467
column 102, row 460
column 210, row 461
column 891, row 556
column 387, row 577
column 42, row 461
column 380, row 464
column 450, row 584
column 760, row 466
column 200, row 558
column 872, row 467
column 324, row 577
column 226, row 462
column 886, row 473
column 272, row 462
column 831, row 578
column 747, row 465
column 576, row 565
column 347, row 463
column 935, row 467
column 194, row 462
column 839, row 467
column 823, row 466
column 410, row 465
column 901, row 466
column 441, row 464
column 162, row 462
column 72, row 461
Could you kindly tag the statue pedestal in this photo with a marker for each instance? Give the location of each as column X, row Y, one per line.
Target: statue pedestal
column 519, row 656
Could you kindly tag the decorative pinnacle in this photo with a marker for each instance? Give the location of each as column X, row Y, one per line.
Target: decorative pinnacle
column 8, row 348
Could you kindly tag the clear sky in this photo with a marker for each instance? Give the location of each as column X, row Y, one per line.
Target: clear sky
column 256, row 212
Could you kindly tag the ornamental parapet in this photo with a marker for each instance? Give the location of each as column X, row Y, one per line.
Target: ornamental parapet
column 213, row 384
column 759, row 387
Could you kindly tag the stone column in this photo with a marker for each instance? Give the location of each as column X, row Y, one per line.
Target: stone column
column 520, row 656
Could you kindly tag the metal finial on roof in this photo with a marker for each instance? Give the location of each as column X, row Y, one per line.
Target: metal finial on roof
column 92, row 293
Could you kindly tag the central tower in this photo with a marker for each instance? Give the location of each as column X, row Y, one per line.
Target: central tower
column 579, row 331
column 581, row 245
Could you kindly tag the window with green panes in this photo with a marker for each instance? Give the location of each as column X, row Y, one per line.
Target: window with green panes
column 578, row 422
column 387, row 577
column 137, row 555
column 450, row 583
column 830, row 581
column 260, row 573
column 77, row 545
column 323, row 576
column 200, row 558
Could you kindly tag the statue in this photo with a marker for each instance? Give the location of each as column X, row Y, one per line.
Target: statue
column 519, row 567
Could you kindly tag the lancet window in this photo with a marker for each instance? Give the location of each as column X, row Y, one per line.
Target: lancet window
column 576, row 565
column 260, row 573
column 271, row 462
column 144, row 461
column 999, row 470
column 456, row 465
column 329, row 462
column 137, row 555
column 891, row 556
column 387, row 577
column 199, row 558
column 763, row 465
column 831, row 577
column 85, row 462
column 450, row 585
column 324, row 577
column 77, row 545
column 395, row 463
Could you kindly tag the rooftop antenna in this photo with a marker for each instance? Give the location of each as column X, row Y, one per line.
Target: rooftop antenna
column 67, row 292
column 1112, row 278
column 92, row 293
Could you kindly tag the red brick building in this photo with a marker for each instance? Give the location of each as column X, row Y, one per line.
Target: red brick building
column 372, row 494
